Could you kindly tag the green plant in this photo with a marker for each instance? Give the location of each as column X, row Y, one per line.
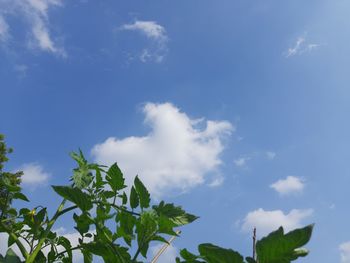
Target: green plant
column 277, row 247
column 113, row 224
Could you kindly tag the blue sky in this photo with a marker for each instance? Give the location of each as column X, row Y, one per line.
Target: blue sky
column 237, row 110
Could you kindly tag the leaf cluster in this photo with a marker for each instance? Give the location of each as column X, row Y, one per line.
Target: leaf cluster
column 277, row 247
column 108, row 216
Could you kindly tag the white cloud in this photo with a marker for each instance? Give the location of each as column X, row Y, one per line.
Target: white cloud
column 175, row 155
column 168, row 256
column 267, row 221
column 36, row 14
column 4, row 28
column 301, row 46
column 154, row 32
column 270, row 155
column 150, row 29
column 345, row 252
column 242, row 161
column 33, row 175
column 289, row 185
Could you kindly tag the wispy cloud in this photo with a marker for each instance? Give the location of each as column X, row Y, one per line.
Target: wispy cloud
column 301, row 46
column 345, row 252
column 156, row 33
column 267, row 221
column 270, row 155
column 175, row 155
column 289, row 185
column 241, row 161
column 36, row 15
column 4, row 28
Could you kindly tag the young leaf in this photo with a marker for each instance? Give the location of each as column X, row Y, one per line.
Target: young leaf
column 142, row 192
column 75, row 195
column 82, row 177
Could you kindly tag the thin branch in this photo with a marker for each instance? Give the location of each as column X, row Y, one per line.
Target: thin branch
column 165, row 246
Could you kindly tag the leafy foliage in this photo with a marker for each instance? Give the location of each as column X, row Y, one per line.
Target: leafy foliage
column 277, row 247
column 110, row 220
column 106, row 220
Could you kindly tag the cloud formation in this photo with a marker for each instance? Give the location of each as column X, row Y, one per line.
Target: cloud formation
column 267, row 221
column 36, row 15
column 242, row 161
column 289, row 185
column 33, row 175
column 301, row 46
column 156, row 33
column 3, row 29
column 345, row 252
column 270, row 155
column 175, row 156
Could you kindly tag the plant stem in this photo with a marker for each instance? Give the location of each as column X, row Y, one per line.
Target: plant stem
column 17, row 241
column 60, row 211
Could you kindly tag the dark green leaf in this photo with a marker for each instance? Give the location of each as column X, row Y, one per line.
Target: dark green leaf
column 115, row 178
column 250, row 260
column 21, row 196
column 10, row 241
column 278, row 247
column 87, row 256
column 134, row 199
column 185, row 254
column 126, row 226
column 146, row 228
column 83, row 222
column 75, row 195
column 142, row 192
column 215, row 254
column 175, row 213
column 11, row 257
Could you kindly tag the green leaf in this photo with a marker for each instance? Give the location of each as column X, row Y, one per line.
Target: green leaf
column 142, row 192
column 215, row 254
column 67, row 246
column 10, row 241
column 126, row 226
column 11, row 257
column 278, row 247
column 87, row 256
column 146, row 228
column 250, row 260
column 115, row 178
column 75, row 195
column 134, row 199
column 79, row 157
column 175, row 213
column 20, row 196
column 83, row 222
column 185, row 254
column 39, row 217
column 110, row 253
column 82, row 176
column 124, row 198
